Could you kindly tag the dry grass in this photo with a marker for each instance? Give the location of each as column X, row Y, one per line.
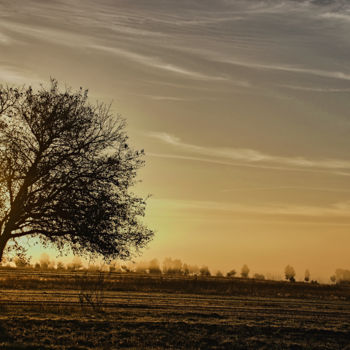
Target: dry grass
column 53, row 318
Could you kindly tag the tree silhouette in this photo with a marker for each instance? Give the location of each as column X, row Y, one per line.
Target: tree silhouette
column 204, row 271
column 289, row 273
column 245, row 271
column 231, row 273
column 65, row 174
column 307, row 275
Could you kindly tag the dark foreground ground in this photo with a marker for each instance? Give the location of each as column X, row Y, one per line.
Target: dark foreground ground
column 90, row 314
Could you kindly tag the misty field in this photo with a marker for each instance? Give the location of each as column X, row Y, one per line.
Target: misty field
column 76, row 310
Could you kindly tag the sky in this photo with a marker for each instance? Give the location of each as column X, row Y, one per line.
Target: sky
column 242, row 108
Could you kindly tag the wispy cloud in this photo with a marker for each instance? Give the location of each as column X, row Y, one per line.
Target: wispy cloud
column 287, row 68
column 336, row 16
column 252, row 156
column 245, row 164
column 124, row 29
column 62, row 37
column 156, row 62
column 291, row 188
column 313, row 88
column 14, row 75
column 335, row 210
column 221, row 57
column 167, row 98
column 4, row 39
column 58, row 36
column 176, row 98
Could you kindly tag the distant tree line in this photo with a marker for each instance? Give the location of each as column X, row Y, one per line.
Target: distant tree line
column 170, row 267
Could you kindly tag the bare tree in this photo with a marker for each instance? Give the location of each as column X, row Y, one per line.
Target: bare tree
column 65, row 174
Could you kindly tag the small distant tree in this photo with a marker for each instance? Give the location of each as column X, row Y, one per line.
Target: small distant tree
column 125, row 268
column 76, row 264
column 154, row 267
column 185, row 269
column 113, row 266
column 204, row 271
column 60, row 266
column 307, row 275
column 141, row 267
column 289, row 273
column 193, row 269
column 342, row 276
column 21, row 261
column 245, row 271
column 259, row 276
column 94, row 268
column 231, row 273
column 3, row 262
column 172, row 266
column 44, row 261
column 219, row 274
column 333, row 279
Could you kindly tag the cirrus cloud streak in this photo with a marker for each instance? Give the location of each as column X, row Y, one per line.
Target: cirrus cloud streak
column 254, row 157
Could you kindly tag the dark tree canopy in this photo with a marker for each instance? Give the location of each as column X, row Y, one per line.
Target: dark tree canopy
column 65, row 174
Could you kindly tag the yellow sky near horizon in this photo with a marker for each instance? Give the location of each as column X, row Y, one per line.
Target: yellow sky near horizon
column 242, row 109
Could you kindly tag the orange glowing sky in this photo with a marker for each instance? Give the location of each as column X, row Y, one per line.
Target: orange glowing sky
column 242, row 108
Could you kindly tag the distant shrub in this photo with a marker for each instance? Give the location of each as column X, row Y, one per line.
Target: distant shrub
column 231, row 273
column 194, row 270
column 245, row 271
column 45, row 262
column 259, row 276
column 60, row 266
column 204, row 271
column 21, row 261
column 75, row 265
column 333, row 279
column 114, row 266
column 342, row 275
column 125, row 268
column 92, row 291
column 185, row 269
column 307, row 275
column 141, row 267
column 219, row 274
column 289, row 273
column 93, row 268
column 172, row 266
column 153, row 267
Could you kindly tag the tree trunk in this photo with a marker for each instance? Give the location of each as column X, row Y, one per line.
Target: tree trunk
column 3, row 241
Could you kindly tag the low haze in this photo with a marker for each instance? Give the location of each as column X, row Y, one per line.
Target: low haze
column 242, row 108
